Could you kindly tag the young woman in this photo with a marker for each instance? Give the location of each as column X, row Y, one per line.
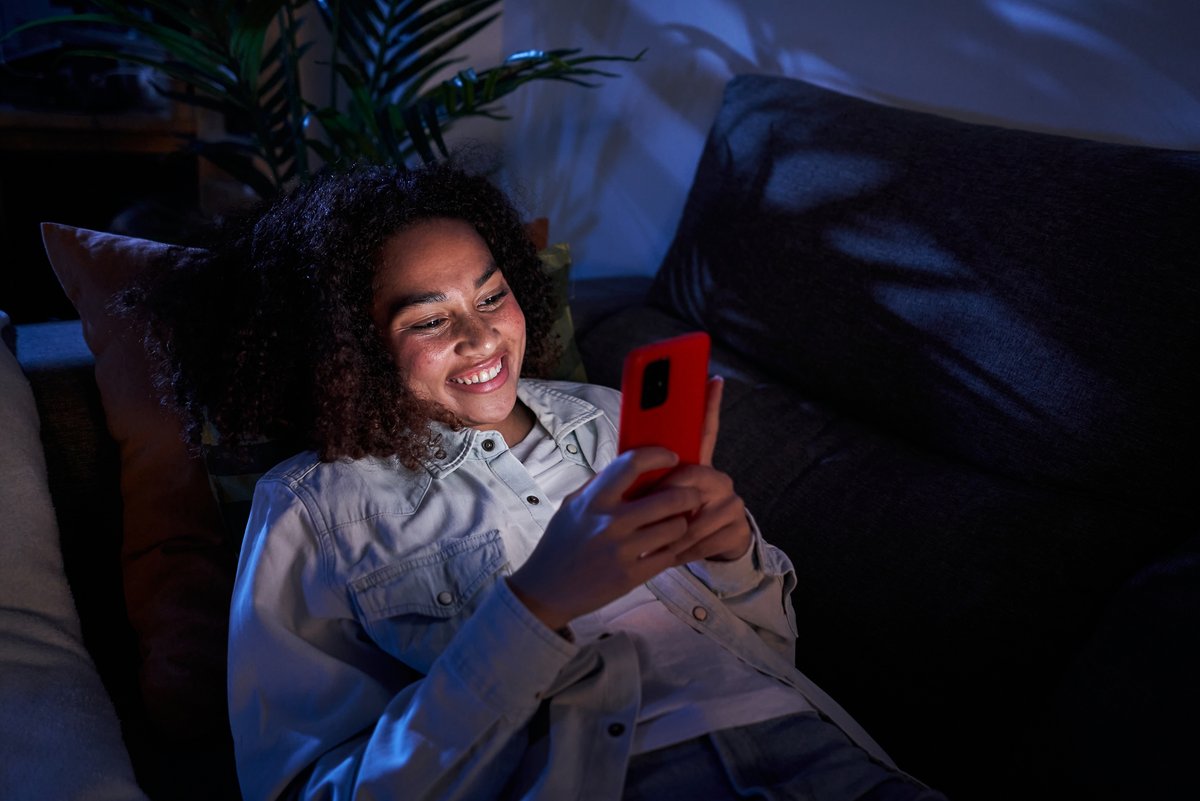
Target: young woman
column 445, row 594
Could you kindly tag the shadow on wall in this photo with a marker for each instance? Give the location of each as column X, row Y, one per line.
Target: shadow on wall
column 611, row 168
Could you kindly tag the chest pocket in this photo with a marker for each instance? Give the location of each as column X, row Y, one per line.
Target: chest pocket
column 413, row 608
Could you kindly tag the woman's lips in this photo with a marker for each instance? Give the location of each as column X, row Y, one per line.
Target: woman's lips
column 482, row 378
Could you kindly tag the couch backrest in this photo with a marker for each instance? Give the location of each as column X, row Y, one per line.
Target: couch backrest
column 1023, row 301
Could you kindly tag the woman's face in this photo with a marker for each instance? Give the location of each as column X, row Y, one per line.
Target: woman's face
column 451, row 322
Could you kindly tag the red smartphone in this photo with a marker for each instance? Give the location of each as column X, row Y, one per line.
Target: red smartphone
column 663, row 398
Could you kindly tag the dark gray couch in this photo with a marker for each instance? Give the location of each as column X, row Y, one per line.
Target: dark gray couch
column 959, row 363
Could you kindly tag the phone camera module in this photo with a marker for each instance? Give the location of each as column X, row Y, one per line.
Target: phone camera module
column 655, row 380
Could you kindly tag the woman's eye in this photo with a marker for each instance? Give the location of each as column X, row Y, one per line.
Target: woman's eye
column 427, row 325
column 494, row 299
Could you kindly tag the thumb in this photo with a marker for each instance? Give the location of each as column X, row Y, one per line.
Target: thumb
column 712, row 419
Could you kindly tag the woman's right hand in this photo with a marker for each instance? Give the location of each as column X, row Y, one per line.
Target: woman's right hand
column 600, row 546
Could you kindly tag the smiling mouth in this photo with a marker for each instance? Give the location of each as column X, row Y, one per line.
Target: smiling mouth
column 481, row 376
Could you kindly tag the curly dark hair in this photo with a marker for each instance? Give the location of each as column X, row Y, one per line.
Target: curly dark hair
column 266, row 332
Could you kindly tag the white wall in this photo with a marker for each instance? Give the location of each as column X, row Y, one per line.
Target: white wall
column 611, row 166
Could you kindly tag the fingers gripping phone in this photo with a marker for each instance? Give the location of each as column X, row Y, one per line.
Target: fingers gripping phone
column 663, row 396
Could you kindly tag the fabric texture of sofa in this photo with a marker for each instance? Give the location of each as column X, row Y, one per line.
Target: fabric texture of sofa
column 957, row 361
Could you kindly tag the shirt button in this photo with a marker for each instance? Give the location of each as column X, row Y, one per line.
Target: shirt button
column 533, row 499
column 489, row 445
column 572, row 449
column 616, row 729
column 700, row 613
column 445, row 598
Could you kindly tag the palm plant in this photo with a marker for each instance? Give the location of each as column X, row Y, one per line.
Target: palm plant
column 244, row 58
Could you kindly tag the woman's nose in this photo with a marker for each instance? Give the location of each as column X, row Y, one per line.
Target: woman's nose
column 477, row 335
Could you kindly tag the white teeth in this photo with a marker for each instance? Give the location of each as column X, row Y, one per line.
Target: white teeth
column 480, row 377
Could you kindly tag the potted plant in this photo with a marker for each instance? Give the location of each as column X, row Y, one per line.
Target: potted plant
column 378, row 102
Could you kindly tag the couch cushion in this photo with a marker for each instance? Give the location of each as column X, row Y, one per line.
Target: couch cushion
column 938, row 602
column 59, row 733
column 178, row 560
column 83, row 469
column 1022, row 301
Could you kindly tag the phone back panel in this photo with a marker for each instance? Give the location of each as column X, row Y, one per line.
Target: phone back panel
column 665, row 406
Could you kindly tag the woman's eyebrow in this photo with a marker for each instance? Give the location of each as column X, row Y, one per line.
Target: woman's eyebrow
column 487, row 273
column 403, row 302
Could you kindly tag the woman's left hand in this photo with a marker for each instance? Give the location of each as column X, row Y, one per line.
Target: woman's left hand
column 718, row 529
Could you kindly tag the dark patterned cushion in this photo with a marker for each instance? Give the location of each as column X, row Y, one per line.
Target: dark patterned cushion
column 1019, row 300
column 961, row 358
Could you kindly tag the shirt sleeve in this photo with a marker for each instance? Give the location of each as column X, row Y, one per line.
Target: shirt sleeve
column 319, row 710
column 757, row 587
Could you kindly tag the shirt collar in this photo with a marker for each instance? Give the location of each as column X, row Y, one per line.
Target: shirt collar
column 559, row 412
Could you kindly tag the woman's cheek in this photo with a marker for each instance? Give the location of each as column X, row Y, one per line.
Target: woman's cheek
column 513, row 320
column 424, row 364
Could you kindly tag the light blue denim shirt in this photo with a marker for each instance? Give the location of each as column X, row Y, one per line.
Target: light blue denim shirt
column 376, row 652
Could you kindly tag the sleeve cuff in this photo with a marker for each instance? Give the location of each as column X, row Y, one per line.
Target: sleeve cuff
column 734, row 577
column 506, row 654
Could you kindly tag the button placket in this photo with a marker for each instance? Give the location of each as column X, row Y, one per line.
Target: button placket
column 571, row 450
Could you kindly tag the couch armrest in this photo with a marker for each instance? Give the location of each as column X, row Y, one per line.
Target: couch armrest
column 59, row 732
column 83, row 468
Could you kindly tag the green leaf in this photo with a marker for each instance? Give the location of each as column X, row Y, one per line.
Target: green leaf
column 249, row 34
column 411, row 117
column 324, row 152
column 429, row 115
column 405, row 64
column 412, row 88
column 348, row 137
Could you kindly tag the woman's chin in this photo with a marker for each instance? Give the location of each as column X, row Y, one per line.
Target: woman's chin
column 489, row 409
